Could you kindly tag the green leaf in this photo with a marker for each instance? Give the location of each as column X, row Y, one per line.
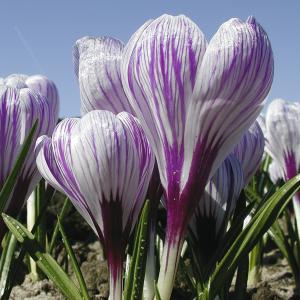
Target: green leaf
column 17, row 262
column 44, row 261
column 74, row 262
column 252, row 195
column 11, row 179
column 286, row 245
column 258, row 226
column 7, row 257
column 136, row 274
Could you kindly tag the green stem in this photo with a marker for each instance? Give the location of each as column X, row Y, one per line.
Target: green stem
column 256, row 256
column 31, row 216
column 40, row 199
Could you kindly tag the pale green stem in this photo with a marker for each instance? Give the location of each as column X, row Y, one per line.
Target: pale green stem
column 31, row 217
column 115, row 286
column 296, row 204
column 168, row 268
column 149, row 288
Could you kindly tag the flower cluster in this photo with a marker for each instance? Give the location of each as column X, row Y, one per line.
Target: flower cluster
column 168, row 108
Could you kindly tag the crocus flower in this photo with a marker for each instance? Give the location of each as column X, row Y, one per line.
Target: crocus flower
column 97, row 63
column 249, row 151
column 283, row 141
column 23, row 100
column 216, row 205
column 194, row 101
column 97, row 66
column 103, row 162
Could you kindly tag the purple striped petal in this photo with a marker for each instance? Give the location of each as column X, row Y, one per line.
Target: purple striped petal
column 10, row 130
column 145, row 155
column 30, row 106
column 216, row 205
column 103, row 163
column 46, row 88
column 53, row 161
column 96, row 160
column 97, row 66
column 162, row 60
column 194, row 111
column 249, row 151
column 283, row 143
column 283, row 135
column 235, row 77
column 194, row 102
column 20, row 108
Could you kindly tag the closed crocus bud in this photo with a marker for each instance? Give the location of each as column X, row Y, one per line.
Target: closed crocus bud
column 22, row 103
column 103, row 162
column 215, row 208
column 97, row 67
column 249, row 151
column 97, row 63
column 194, row 100
column 283, row 141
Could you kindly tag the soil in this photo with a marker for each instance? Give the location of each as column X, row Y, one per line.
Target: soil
column 277, row 280
column 276, row 283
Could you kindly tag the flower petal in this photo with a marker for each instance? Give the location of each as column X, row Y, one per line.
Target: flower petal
column 249, row 151
column 46, row 88
column 97, row 163
column 235, row 77
column 97, row 66
column 10, row 130
column 283, row 135
column 20, row 108
column 54, row 164
column 159, row 73
column 146, row 160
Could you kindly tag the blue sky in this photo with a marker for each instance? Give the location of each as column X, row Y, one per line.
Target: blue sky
column 37, row 36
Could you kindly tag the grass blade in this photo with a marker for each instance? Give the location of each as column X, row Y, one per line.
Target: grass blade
column 74, row 262
column 259, row 224
column 44, row 261
column 65, row 209
column 7, row 257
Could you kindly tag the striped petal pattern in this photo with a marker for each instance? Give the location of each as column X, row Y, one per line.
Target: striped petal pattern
column 283, row 143
column 283, row 135
column 104, row 164
column 194, row 102
column 249, row 151
column 160, row 65
column 21, row 106
column 216, row 206
column 97, row 66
